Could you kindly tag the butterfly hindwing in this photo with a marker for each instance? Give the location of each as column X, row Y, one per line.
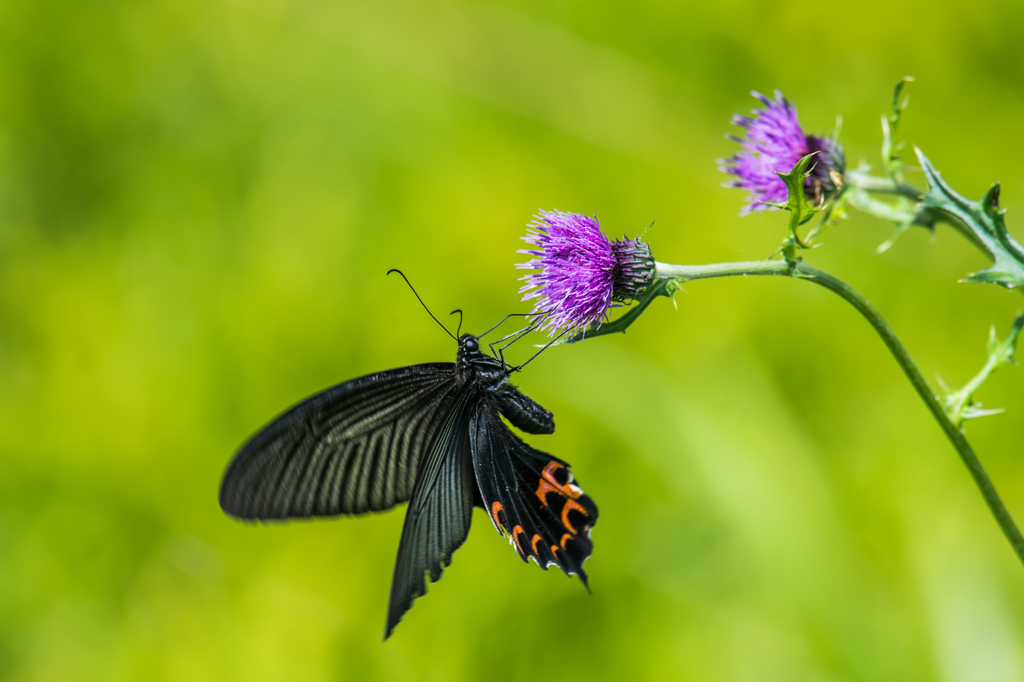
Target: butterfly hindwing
column 531, row 496
column 439, row 515
column 350, row 449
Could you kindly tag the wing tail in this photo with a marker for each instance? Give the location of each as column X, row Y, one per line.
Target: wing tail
column 437, row 521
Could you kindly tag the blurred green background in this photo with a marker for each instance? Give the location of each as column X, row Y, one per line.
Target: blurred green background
column 199, row 200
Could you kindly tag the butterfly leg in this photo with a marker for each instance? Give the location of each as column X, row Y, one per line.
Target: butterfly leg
column 518, row 334
column 534, row 324
column 546, row 346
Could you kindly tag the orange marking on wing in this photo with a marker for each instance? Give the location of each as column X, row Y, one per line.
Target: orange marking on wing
column 569, row 489
column 515, row 536
column 571, row 504
column 564, row 538
column 542, row 491
column 534, row 545
column 495, row 508
column 548, row 483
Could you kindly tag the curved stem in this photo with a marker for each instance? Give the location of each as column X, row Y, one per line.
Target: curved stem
column 685, row 273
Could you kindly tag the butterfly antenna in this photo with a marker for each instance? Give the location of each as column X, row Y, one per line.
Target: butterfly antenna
column 457, row 310
column 501, row 322
column 421, row 301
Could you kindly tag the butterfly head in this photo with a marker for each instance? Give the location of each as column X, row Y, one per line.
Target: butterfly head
column 474, row 366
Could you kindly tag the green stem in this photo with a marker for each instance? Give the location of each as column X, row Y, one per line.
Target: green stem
column 877, row 185
column 686, row 273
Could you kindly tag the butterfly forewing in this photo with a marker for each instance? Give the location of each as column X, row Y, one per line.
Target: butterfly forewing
column 531, row 496
column 350, row 449
column 440, row 511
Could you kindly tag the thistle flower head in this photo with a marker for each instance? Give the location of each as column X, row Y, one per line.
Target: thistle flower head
column 582, row 272
column 774, row 142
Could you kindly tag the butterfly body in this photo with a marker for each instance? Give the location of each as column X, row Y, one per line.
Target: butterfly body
column 431, row 435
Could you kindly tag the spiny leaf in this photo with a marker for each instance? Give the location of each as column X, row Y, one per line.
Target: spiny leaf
column 800, row 210
column 894, row 164
column 981, row 222
column 960, row 405
column 973, row 412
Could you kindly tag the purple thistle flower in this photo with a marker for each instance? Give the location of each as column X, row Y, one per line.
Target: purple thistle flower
column 582, row 272
column 774, row 142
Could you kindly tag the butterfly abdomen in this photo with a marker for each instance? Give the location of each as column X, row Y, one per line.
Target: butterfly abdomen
column 524, row 413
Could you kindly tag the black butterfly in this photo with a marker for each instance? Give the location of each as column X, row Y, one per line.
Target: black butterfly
column 429, row 434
